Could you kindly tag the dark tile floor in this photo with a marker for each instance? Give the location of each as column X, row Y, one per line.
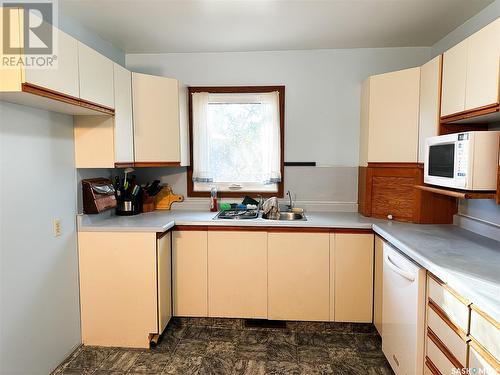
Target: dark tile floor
column 227, row 346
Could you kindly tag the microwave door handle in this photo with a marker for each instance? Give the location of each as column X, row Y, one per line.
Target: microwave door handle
column 407, row 275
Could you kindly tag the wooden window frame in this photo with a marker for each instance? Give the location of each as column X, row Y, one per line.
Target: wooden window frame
column 237, row 90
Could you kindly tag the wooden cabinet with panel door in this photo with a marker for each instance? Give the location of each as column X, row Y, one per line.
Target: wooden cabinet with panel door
column 352, row 276
column 237, row 274
column 190, row 272
column 298, row 276
column 470, row 78
column 390, row 126
column 157, row 121
column 124, row 287
column 55, row 87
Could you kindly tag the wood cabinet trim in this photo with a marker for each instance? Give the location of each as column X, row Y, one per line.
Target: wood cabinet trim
column 470, row 113
column 160, row 235
column 485, row 316
column 432, row 368
column 269, row 229
column 157, row 164
column 445, row 286
column 444, row 317
column 442, row 347
column 492, row 361
column 54, row 95
column 392, row 165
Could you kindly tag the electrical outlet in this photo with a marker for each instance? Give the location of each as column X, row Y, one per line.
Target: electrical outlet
column 57, row 227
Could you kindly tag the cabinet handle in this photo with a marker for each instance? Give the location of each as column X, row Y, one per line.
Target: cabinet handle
column 401, row 272
column 235, row 187
column 390, row 217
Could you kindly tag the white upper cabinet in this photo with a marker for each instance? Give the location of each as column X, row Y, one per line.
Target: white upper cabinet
column 430, row 84
column 454, row 78
column 124, row 128
column 64, row 77
column 156, row 119
column 96, row 77
column 483, row 56
column 389, row 117
column 471, row 72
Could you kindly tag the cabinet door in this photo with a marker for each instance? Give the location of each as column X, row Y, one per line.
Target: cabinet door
column 483, row 56
column 237, row 274
column 378, row 284
column 124, row 132
column 353, row 259
column 164, row 280
column 96, row 76
column 393, row 116
column 94, row 142
column 156, row 119
column 430, row 86
column 189, row 273
column 118, row 294
column 298, row 276
column 454, row 78
column 64, row 77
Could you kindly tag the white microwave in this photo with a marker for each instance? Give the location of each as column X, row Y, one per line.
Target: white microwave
column 467, row 161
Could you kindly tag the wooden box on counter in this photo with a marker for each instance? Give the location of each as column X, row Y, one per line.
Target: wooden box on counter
column 388, row 190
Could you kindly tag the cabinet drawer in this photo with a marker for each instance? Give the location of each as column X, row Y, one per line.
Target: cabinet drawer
column 483, row 362
column 439, row 359
column 454, row 306
column 447, row 332
column 485, row 331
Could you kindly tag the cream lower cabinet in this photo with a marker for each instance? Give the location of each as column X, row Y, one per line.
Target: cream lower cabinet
column 353, row 276
column 378, row 283
column 237, row 274
column 189, row 273
column 124, row 287
column 298, row 276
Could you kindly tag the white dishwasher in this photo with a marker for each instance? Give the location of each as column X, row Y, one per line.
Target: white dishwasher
column 403, row 312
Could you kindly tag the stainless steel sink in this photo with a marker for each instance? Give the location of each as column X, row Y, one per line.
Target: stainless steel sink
column 288, row 216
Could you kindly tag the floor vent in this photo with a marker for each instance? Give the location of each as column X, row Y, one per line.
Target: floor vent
column 264, row 323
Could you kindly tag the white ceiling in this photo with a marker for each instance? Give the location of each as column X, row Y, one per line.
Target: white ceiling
column 156, row 26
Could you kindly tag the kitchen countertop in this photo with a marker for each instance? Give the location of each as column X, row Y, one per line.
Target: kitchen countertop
column 468, row 262
column 160, row 221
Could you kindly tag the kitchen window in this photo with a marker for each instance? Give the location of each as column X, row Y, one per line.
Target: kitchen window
column 236, row 140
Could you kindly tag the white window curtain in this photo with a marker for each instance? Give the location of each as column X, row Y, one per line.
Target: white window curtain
column 272, row 153
column 201, row 140
column 270, row 170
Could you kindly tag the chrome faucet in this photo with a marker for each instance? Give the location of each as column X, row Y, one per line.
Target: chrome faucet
column 290, row 205
column 261, row 202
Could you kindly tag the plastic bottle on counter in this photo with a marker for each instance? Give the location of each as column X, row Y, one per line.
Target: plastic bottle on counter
column 214, row 207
